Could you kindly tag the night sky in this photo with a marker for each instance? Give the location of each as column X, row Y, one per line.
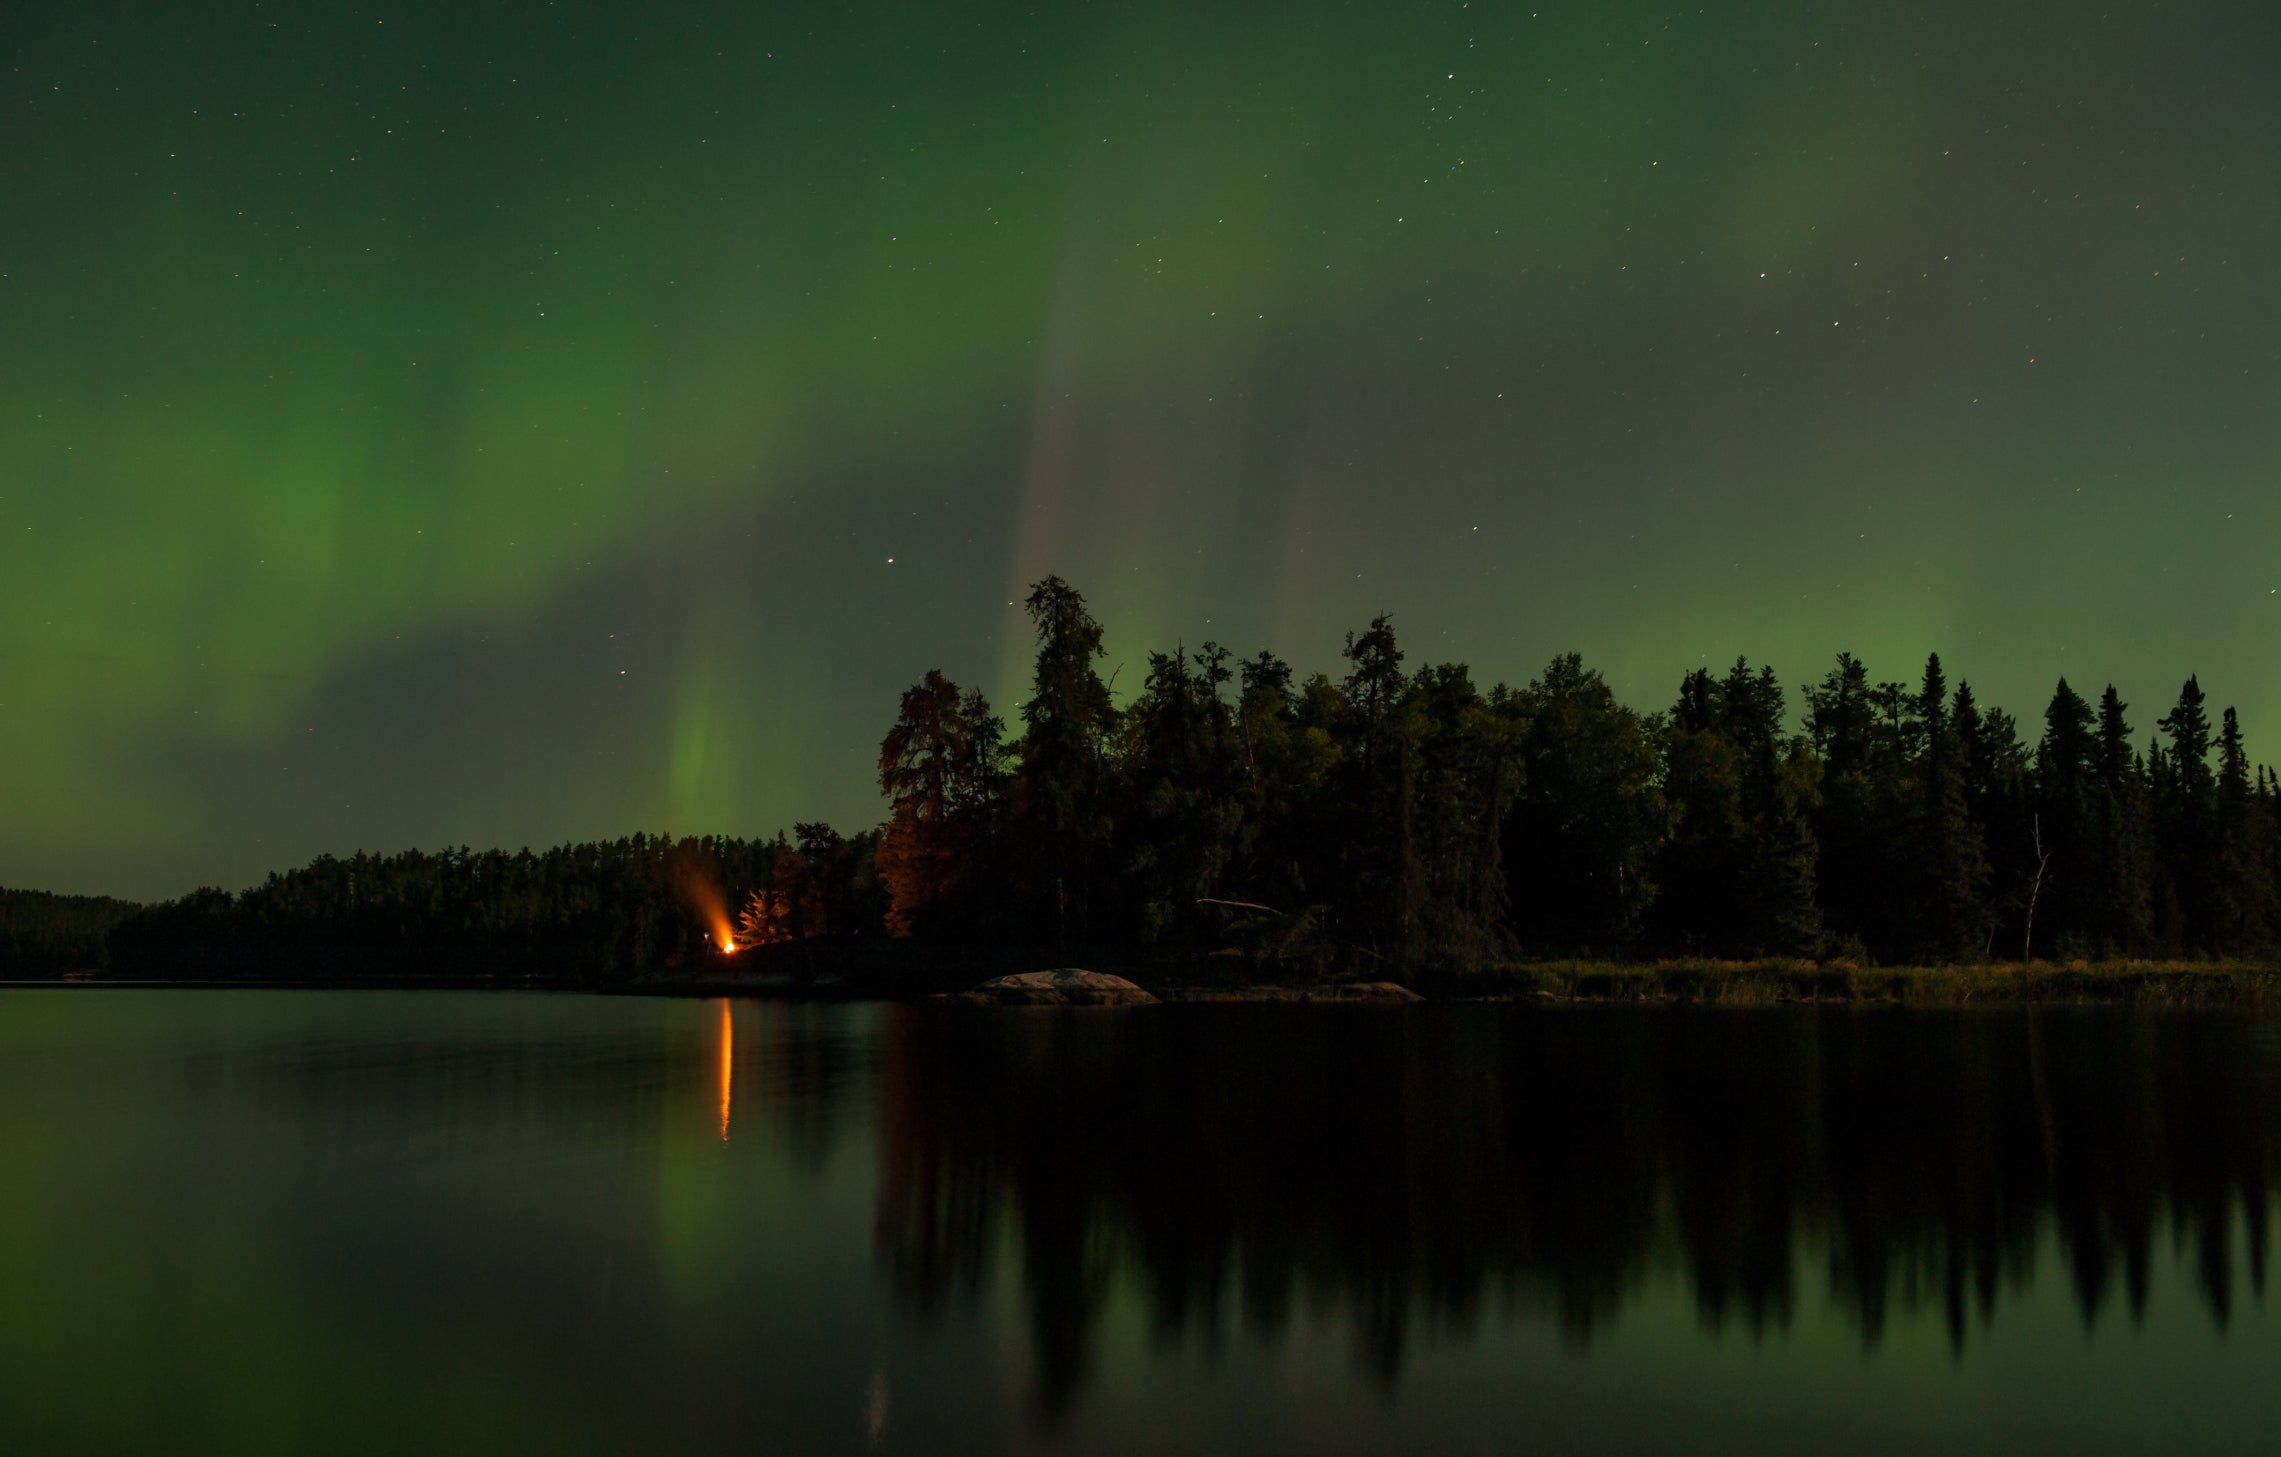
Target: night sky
column 509, row 423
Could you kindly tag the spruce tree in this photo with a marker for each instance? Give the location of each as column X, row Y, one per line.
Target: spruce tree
column 1180, row 810
column 2241, row 883
column 1948, row 866
column 1777, row 864
column 1854, row 822
column 939, row 768
column 1378, row 733
column 2064, row 792
column 2120, row 906
column 1065, row 813
column 2185, row 818
column 1699, row 867
column 1581, row 841
column 1999, row 801
column 1467, row 772
column 1280, row 772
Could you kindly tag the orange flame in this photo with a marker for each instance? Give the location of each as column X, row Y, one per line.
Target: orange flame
column 705, row 899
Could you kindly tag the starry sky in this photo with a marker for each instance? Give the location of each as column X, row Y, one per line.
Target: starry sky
column 510, row 423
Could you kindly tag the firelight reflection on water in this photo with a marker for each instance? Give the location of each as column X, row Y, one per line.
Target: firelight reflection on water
column 728, row 1060
column 272, row 1221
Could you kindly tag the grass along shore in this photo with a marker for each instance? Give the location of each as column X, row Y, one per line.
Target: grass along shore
column 2146, row 983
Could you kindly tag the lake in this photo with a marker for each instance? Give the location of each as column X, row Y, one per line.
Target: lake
column 271, row 1221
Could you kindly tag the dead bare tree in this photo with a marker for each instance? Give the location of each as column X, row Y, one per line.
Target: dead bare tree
column 2035, row 888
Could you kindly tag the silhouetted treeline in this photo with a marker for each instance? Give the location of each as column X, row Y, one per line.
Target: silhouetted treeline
column 1403, row 815
column 1394, row 817
column 52, row 936
column 582, row 915
column 1439, row 1169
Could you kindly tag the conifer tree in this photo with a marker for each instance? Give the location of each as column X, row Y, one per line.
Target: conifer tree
column 1377, row 773
column 1181, row 810
column 939, row 767
column 2120, row 908
column 1738, row 870
column 1581, row 840
column 2241, row 890
column 2066, row 785
column 1467, row 753
column 2267, row 820
column 1948, row 868
column 1697, row 868
column 2185, row 820
column 1779, row 782
column 1281, row 767
column 1064, row 808
column 1999, row 801
column 1859, row 802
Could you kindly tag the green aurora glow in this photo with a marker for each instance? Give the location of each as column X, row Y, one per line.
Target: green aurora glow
column 438, row 423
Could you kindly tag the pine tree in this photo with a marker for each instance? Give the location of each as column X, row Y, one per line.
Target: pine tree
column 939, row 769
column 1467, row 773
column 1064, row 813
column 2119, row 907
column 1581, row 841
column 1699, row 864
column 1948, row 865
column 2185, row 819
column 1999, row 801
column 1859, row 802
column 1738, row 870
column 1181, row 815
column 2268, row 831
column 1379, row 734
column 1280, row 774
column 2066, row 785
column 2241, row 884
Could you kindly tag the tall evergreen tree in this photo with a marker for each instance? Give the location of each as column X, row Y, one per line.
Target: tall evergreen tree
column 2120, row 899
column 1999, row 802
column 1698, row 865
column 2185, row 821
column 1182, row 810
column 1581, row 841
column 2268, row 830
column 1854, row 730
column 1283, row 764
column 1738, row 870
column 1468, row 762
column 939, row 767
column 1780, row 784
column 1064, row 809
column 2067, row 786
column 1377, row 772
column 1948, row 865
column 2242, row 891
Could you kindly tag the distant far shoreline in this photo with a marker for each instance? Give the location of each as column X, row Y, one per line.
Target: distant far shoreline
column 1669, row 982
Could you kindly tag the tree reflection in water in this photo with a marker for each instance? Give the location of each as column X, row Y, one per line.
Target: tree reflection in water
column 1420, row 1167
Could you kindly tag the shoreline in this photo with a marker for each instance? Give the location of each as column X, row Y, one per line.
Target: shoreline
column 1679, row 982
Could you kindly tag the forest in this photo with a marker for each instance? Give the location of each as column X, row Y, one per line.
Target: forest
column 1406, row 815
column 1390, row 819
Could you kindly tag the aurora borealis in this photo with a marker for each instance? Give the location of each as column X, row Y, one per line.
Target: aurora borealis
column 517, row 423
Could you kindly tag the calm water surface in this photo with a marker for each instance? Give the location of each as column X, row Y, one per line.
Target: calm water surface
column 432, row 1222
